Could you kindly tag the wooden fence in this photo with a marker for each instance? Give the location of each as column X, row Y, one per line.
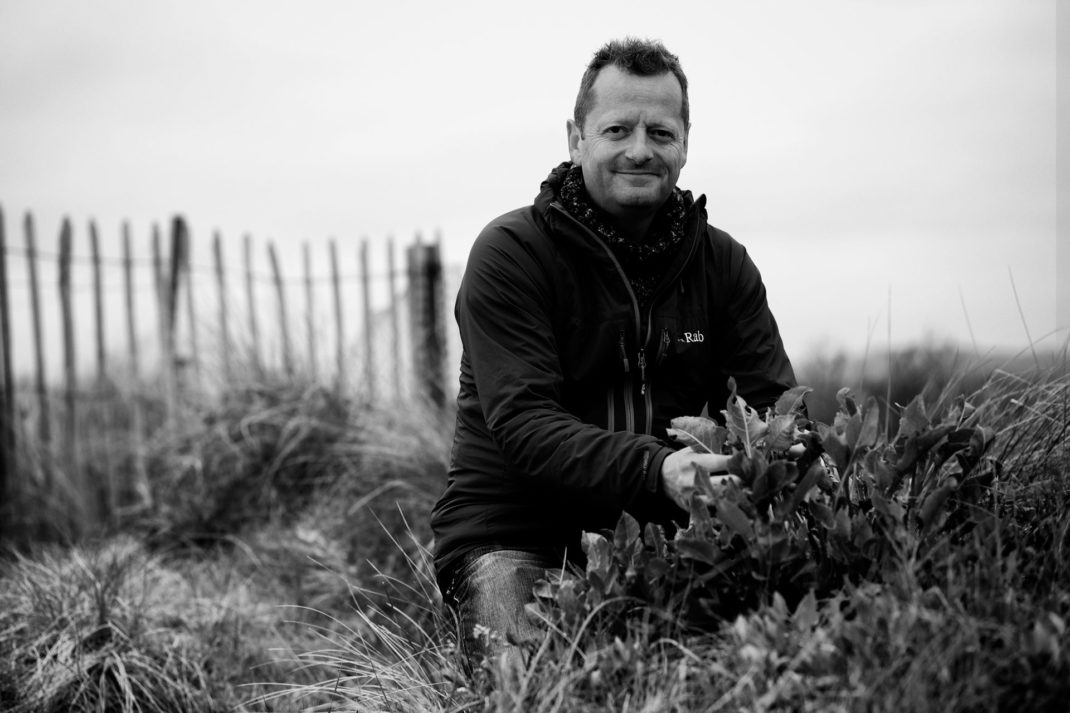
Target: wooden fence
column 201, row 339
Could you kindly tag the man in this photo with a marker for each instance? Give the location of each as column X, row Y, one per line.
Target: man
column 588, row 321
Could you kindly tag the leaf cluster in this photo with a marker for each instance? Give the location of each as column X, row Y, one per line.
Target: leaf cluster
column 816, row 506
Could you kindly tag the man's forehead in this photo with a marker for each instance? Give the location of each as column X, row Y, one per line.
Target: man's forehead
column 619, row 92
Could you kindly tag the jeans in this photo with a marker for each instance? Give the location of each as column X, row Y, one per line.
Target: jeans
column 487, row 593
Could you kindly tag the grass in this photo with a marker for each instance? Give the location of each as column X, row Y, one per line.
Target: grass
column 284, row 566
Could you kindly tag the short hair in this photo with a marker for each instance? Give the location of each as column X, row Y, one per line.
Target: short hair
column 644, row 58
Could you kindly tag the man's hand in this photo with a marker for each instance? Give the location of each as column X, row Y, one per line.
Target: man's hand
column 678, row 474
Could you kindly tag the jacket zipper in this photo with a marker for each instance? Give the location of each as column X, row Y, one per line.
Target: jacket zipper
column 629, row 408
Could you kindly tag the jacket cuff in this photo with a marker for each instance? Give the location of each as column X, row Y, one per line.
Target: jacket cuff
column 653, row 460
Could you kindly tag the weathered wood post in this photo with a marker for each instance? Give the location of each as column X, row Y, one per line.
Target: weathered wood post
column 44, row 423
column 70, row 420
column 250, row 298
column 395, row 318
column 310, row 312
column 141, row 479
column 186, row 277
column 284, row 325
column 98, row 303
column 339, row 322
column 7, row 394
column 426, row 321
column 99, row 439
column 221, row 288
column 369, row 327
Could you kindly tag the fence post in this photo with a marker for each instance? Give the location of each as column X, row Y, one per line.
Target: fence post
column 221, row 287
column 250, row 298
column 98, row 301
column 284, row 327
column 426, row 322
column 7, row 394
column 340, row 354
column 70, row 435
column 44, row 424
column 369, row 328
column 162, row 328
column 186, row 278
column 141, row 479
column 99, row 438
column 310, row 317
column 395, row 322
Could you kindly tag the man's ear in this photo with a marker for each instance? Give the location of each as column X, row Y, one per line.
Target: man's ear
column 687, row 133
column 575, row 136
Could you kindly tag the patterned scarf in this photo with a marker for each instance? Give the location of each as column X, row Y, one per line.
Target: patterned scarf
column 645, row 261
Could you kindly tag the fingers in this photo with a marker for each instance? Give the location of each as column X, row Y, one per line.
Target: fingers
column 711, row 462
column 722, row 481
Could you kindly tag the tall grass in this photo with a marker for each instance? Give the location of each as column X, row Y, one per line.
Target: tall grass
column 275, row 496
column 284, row 566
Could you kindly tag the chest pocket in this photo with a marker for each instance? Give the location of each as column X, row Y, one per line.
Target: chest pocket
column 685, row 367
column 685, row 342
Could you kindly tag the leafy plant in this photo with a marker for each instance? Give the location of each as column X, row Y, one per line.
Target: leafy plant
column 814, row 506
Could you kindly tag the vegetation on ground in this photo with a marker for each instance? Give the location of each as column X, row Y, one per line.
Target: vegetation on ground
column 284, row 566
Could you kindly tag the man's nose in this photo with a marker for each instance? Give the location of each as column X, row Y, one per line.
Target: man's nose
column 639, row 148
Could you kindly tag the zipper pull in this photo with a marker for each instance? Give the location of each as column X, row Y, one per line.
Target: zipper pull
column 642, row 371
column 623, row 352
column 663, row 347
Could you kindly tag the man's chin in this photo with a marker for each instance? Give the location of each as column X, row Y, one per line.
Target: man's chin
column 641, row 200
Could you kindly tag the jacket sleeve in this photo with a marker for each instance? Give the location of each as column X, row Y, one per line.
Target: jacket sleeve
column 504, row 310
column 750, row 348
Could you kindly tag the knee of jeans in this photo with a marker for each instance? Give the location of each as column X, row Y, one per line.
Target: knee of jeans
column 494, row 590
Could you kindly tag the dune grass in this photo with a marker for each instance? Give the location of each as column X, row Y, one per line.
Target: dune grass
column 284, row 566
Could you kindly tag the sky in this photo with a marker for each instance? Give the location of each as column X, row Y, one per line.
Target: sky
column 890, row 166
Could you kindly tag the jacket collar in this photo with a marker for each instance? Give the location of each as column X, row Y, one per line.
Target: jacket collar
column 563, row 227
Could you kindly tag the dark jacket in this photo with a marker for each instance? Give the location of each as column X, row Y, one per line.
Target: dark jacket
column 566, row 389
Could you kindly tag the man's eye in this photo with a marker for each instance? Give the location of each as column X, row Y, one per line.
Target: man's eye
column 615, row 130
column 663, row 135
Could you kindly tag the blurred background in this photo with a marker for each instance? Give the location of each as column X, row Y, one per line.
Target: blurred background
column 890, row 166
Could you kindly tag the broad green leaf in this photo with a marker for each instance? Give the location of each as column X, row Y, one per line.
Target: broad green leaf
column 781, row 432
column 913, row 419
column 804, row 486
column 852, row 428
column 702, row 484
column 704, row 551
column 744, row 423
column 626, row 534
column 834, row 446
column 777, row 476
column 599, row 553
column 847, row 403
column 791, row 401
column 701, row 523
column 730, row 514
column 654, row 538
column 746, row 467
column 867, row 437
column 930, row 509
column 701, row 433
column 806, row 615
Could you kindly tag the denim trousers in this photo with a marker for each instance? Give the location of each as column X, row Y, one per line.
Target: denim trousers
column 487, row 593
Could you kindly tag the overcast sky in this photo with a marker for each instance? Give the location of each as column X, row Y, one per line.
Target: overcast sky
column 858, row 149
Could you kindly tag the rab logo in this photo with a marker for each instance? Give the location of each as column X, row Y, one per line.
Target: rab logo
column 692, row 338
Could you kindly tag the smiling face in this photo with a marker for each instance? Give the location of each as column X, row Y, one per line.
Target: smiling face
column 632, row 145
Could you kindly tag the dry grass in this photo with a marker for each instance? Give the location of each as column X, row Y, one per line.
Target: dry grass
column 285, row 567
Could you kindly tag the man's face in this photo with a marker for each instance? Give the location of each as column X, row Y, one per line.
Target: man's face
column 633, row 143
